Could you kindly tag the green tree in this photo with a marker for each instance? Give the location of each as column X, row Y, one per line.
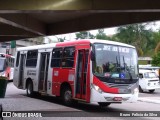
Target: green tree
column 102, row 35
column 156, row 43
column 137, row 35
column 156, row 37
column 38, row 40
column 61, row 39
column 84, row 35
column 156, row 59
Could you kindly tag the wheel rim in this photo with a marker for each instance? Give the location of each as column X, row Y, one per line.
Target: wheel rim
column 68, row 96
column 29, row 89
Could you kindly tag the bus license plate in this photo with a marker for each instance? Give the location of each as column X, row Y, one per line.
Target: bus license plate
column 117, row 98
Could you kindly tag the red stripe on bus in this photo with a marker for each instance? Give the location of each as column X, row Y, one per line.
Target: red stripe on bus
column 73, row 43
column 103, row 86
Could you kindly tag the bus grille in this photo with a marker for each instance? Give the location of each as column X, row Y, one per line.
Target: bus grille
column 113, row 85
column 122, row 88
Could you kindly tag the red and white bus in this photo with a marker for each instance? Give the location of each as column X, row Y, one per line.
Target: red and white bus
column 94, row 71
column 6, row 66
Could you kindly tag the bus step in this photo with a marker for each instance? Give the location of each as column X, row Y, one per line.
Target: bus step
column 42, row 92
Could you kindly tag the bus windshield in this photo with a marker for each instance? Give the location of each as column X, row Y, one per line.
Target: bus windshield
column 113, row 61
column 2, row 63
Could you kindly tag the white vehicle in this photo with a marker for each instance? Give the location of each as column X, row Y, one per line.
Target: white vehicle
column 7, row 66
column 94, row 71
column 148, row 80
column 150, row 67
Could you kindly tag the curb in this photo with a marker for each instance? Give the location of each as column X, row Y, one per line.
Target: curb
column 149, row 100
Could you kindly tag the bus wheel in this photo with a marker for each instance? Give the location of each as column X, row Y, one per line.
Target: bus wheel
column 140, row 89
column 151, row 91
column 67, row 96
column 104, row 104
column 1, row 110
column 29, row 89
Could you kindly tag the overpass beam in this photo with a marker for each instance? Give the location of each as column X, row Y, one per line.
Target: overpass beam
column 100, row 20
column 24, row 22
column 79, row 5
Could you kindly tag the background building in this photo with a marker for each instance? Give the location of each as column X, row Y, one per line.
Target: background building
column 10, row 47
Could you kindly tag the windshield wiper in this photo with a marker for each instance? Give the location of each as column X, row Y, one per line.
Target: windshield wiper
column 126, row 68
column 118, row 65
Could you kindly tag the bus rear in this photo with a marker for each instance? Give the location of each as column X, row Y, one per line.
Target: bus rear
column 115, row 73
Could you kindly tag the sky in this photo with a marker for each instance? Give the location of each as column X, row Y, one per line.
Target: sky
column 71, row 36
column 109, row 31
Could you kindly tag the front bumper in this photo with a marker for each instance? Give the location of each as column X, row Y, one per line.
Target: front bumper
column 109, row 97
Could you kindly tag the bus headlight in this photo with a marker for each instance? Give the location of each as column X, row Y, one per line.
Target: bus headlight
column 2, row 74
column 136, row 91
column 96, row 88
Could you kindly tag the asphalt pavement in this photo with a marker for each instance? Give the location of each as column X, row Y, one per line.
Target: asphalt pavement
column 16, row 100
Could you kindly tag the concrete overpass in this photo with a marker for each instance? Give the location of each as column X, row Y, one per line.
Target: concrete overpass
column 31, row 18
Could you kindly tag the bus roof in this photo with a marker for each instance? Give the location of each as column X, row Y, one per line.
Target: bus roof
column 73, row 43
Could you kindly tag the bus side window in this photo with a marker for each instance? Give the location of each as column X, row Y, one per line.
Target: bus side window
column 32, row 58
column 140, row 75
column 13, row 62
column 6, row 65
column 9, row 62
column 56, row 57
column 17, row 58
column 68, row 57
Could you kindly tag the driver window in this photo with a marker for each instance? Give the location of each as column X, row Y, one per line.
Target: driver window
column 99, row 69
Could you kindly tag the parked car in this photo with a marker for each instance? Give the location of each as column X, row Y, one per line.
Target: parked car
column 148, row 80
column 156, row 69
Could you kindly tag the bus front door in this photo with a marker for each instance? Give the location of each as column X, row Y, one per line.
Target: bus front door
column 81, row 77
column 43, row 72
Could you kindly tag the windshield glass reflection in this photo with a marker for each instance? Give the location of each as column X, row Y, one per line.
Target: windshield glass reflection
column 115, row 61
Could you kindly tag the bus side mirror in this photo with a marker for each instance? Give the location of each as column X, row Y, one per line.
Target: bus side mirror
column 92, row 56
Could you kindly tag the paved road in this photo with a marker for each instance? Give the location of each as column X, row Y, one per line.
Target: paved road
column 147, row 94
column 16, row 100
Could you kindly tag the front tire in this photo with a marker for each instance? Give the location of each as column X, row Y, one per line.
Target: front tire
column 67, row 96
column 1, row 110
column 140, row 89
column 151, row 91
column 104, row 104
column 29, row 89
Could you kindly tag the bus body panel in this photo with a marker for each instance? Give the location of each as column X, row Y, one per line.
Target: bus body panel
column 33, row 74
column 61, row 76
